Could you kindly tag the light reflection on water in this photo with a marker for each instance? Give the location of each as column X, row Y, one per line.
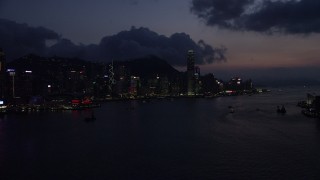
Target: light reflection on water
column 163, row 139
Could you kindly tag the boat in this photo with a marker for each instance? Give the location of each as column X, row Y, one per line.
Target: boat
column 281, row 110
column 231, row 109
column 310, row 112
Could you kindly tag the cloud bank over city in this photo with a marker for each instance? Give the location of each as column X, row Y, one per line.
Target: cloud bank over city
column 258, row 34
column 21, row 39
column 139, row 42
column 267, row 16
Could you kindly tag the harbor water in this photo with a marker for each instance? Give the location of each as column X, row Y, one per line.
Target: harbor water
column 166, row 139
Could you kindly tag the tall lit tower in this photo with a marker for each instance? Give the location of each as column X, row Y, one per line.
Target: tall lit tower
column 190, row 72
column 2, row 74
column 112, row 81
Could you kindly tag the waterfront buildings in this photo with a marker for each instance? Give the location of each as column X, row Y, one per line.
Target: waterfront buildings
column 121, row 77
column 197, row 81
column 145, row 77
column 134, row 86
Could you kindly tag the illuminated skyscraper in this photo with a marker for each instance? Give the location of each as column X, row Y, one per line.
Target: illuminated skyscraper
column 191, row 72
column 122, row 79
column 197, row 82
column 134, row 85
column 112, row 81
column 2, row 74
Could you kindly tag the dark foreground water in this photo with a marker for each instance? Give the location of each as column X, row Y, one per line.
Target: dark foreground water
column 180, row 139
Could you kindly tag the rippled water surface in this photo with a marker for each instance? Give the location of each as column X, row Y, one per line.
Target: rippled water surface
column 164, row 139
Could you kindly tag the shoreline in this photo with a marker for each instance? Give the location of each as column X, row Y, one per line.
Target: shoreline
column 29, row 108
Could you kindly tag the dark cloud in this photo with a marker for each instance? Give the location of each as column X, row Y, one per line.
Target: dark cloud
column 20, row 39
column 140, row 42
column 66, row 48
column 217, row 12
column 284, row 16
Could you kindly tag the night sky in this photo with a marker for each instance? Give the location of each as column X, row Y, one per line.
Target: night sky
column 261, row 38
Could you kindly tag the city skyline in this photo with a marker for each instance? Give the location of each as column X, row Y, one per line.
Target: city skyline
column 249, row 51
